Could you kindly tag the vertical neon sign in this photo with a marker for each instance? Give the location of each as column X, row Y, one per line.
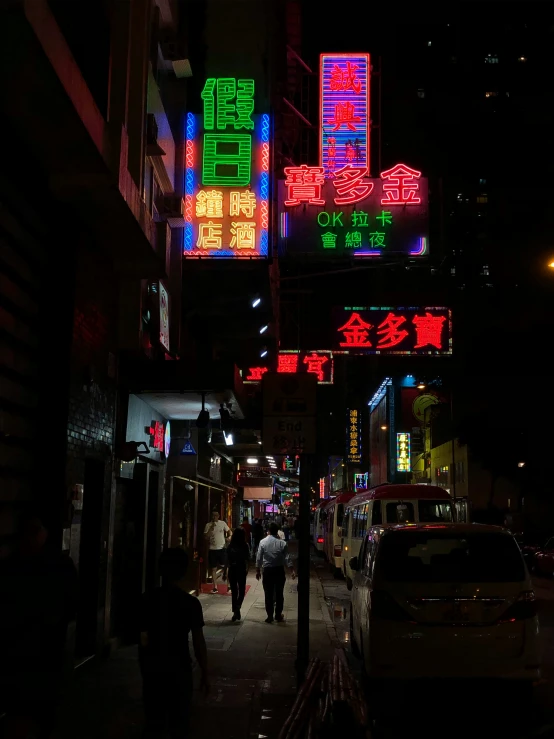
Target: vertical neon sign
column 344, row 111
column 227, row 183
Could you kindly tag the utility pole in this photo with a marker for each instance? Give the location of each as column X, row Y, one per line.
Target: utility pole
column 303, row 631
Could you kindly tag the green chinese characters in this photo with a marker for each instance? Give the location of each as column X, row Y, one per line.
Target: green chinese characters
column 227, row 157
column 359, row 230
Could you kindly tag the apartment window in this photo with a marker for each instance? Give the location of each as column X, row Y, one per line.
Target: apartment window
column 491, row 94
column 484, row 198
column 491, row 59
column 482, row 181
column 485, row 271
column 421, row 93
column 452, row 270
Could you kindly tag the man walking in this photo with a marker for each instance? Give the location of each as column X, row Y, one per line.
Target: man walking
column 271, row 559
column 216, row 533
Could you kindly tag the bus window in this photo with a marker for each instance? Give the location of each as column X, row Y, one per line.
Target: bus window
column 400, row 513
column 340, row 514
column 435, row 510
column 363, row 519
column 377, row 514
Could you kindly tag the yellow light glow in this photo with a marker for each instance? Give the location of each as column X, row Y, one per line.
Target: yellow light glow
column 421, row 386
column 551, row 264
column 383, row 428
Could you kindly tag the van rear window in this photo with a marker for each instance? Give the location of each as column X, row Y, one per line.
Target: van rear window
column 438, row 556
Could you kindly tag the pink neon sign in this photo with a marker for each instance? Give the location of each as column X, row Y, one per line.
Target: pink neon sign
column 344, row 111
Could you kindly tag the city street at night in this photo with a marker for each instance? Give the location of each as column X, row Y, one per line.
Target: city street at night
column 276, row 314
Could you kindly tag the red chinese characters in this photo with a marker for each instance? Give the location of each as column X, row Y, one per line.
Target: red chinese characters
column 287, row 363
column 407, row 330
column 355, row 331
column 391, row 335
column 304, row 185
column 345, row 78
column 344, row 114
column 351, row 185
column 315, row 363
column 256, row 373
column 400, row 186
column 429, row 330
column 156, row 432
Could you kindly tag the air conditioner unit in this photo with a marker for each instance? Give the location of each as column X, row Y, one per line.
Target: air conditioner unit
column 172, row 209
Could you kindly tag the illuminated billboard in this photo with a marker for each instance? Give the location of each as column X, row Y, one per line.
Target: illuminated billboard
column 403, row 453
column 353, row 437
column 344, row 111
column 318, row 362
column 352, row 214
column 227, row 174
column 386, row 330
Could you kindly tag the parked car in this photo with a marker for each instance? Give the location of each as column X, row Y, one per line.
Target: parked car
column 444, row 601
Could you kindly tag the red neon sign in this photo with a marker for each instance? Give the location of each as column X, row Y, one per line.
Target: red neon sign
column 255, row 374
column 351, row 185
column 287, row 363
column 355, row 331
column 156, row 431
column 315, row 363
column 394, row 331
column 401, row 187
column 304, row 185
column 344, row 111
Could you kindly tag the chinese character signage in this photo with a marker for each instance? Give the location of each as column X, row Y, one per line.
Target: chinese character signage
column 360, row 481
column 321, row 487
column 227, row 174
column 403, row 453
column 353, row 214
column 164, row 317
column 353, row 437
column 157, row 436
column 344, row 111
column 320, row 363
column 392, row 331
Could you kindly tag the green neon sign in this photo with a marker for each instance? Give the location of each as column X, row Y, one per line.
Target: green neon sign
column 227, row 157
column 364, row 230
column 228, row 102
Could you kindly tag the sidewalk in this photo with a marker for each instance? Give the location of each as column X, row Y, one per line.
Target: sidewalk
column 251, row 666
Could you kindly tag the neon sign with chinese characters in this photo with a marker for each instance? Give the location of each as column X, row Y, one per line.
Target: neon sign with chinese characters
column 403, row 453
column 353, row 437
column 319, row 363
column 392, row 330
column 156, row 433
column 353, row 213
column 344, row 111
column 227, row 174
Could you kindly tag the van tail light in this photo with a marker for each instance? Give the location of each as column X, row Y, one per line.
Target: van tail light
column 320, row 540
column 524, row 607
column 338, row 550
column 384, row 606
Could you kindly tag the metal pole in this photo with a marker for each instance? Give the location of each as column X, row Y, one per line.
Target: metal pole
column 453, row 448
column 303, row 632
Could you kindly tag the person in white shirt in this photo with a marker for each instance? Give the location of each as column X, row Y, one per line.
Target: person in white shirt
column 216, row 532
column 271, row 559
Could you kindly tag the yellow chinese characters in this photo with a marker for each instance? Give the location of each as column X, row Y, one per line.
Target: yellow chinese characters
column 242, row 203
column 209, row 235
column 209, row 204
column 244, row 235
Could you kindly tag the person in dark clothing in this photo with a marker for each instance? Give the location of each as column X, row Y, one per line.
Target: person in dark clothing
column 38, row 600
column 271, row 559
column 257, row 534
column 238, row 554
column 167, row 616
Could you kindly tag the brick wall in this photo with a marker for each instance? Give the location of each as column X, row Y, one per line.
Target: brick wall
column 91, row 424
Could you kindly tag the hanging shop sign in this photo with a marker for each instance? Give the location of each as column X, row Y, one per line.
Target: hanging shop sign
column 392, row 330
column 344, row 111
column 319, row 363
column 361, row 480
column 227, row 174
column 353, row 214
column 156, row 434
column 353, row 437
column 164, row 317
column 403, row 453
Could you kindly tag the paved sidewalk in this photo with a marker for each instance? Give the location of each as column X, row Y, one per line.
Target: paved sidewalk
column 251, row 665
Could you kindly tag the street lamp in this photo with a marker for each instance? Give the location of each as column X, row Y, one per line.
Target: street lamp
column 521, row 464
column 551, row 264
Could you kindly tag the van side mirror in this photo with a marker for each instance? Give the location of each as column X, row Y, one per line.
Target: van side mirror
column 353, row 562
